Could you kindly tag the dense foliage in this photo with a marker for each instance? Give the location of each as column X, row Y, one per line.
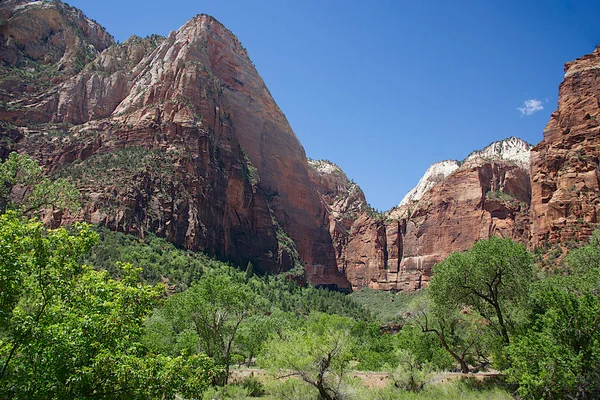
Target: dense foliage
column 25, row 189
column 558, row 355
column 162, row 261
column 90, row 313
column 158, row 259
column 68, row 331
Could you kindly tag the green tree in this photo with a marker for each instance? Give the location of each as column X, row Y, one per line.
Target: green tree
column 254, row 332
column 70, row 332
column 249, row 270
column 25, row 188
column 427, row 348
column 374, row 350
column 318, row 354
column 460, row 330
column 206, row 317
column 557, row 356
column 35, row 269
column 411, row 373
column 492, row 278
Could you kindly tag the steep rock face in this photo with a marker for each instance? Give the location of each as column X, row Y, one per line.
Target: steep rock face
column 480, row 200
column 344, row 202
column 564, row 165
column 487, row 195
column 41, row 44
column 435, row 174
column 180, row 136
column 204, row 47
column 102, row 85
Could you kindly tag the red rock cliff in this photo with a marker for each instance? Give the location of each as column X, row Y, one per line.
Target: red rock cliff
column 564, row 165
column 177, row 136
column 487, row 195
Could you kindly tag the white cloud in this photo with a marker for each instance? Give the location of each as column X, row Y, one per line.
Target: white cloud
column 530, row 107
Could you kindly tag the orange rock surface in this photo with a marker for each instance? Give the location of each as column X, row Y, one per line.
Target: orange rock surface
column 564, row 165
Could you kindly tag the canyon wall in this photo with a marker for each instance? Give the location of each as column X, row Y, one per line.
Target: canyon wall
column 460, row 202
column 180, row 137
column 564, row 165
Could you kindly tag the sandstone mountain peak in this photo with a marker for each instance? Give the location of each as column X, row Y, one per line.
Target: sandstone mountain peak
column 180, row 137
column 325, row 166
column 434, row 175
column 342, row 195
column 510, row 149
column 203, row 24
column 49, row 32
column 199, row 152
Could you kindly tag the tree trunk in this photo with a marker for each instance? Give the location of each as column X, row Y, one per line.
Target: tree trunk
column 323, row 394
column 464, row 368
column 502, row 324
column 320, row 384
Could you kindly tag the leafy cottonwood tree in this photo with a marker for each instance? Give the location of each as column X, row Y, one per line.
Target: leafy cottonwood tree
column 318, row 354
column 20, row 173
column 492, row 278
column 558, row 355
column 460, row 330
column 69, row 332
column 206, row 317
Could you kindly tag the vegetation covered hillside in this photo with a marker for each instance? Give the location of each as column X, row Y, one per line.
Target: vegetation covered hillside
column 97, row 314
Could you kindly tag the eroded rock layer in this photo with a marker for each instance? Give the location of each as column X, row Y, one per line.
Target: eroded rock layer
column 178, row 136
column 564, row 165
column 488, row 194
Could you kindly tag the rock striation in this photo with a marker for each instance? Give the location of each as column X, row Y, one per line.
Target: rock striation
column 564, row 165
column 178, row 136
column 435, row 174
column 512, row 149
column 454, row 205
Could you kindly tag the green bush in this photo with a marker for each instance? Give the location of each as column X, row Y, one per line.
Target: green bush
column 411, row 373
column 159, row 259
column 253, row 386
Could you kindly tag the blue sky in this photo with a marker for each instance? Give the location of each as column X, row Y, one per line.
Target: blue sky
column 384, row 88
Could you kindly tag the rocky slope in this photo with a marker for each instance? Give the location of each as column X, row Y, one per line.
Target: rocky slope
column 435, row 174
column 177, row 136
column 454, row 205
column 564, row 165
column 512, row 149
column 42, row 44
